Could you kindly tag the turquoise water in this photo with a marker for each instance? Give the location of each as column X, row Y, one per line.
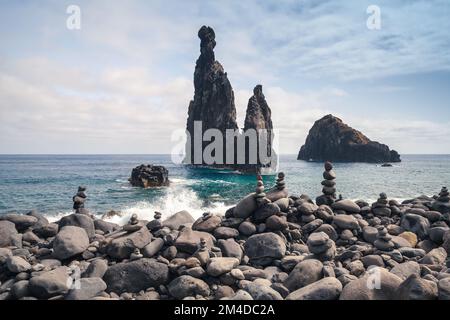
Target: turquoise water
column 48, row 182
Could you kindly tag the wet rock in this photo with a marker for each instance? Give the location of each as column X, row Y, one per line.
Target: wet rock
column 146, row 176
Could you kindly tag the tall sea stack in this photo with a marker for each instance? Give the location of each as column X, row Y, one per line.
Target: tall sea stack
column 259, row 117
column 213, row 102
column 330, row 139
column 213, row 108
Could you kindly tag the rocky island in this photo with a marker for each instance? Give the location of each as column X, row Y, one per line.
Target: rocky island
column 271, row 246
column 330, row 139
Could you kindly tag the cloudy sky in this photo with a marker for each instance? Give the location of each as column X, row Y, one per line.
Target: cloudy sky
column 122, row 83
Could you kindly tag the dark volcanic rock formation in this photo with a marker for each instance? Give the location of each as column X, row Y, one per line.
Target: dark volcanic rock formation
column 332, row 140
column 146, row 176
column 213, row 102
column 259, row 118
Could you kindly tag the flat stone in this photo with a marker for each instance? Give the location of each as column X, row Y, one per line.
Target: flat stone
column 404, row 270
column 153, row 248
column 178, row 219
column 189, row 240
column 344, row 221
column 89, row 288
column 79, row 220
column 207, row 225
column 225, row 233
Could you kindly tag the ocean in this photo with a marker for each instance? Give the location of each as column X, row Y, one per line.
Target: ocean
column 48, row 182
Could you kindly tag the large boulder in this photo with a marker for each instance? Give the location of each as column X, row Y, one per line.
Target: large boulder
column 16, row 264
column 22, row 222
column 325, row 289
column 347, row 206
column 415, row 223
column 245, row 207
column 207, row 225
column 378, row 284
column 146, row 176
column 264, row 247
column 187, row 286
column 188, row 240
column 70, row 241
column 178, row 219
column 79, row 220
column 136, row 275
column 330, row 139
column 9, row 235
column 50, row 283
column 88, row 288
column 96, row 269
column 416, row 288
column 122, row 247
column 304, row 273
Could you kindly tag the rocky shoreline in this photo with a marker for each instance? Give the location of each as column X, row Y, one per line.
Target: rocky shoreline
column 271, row 246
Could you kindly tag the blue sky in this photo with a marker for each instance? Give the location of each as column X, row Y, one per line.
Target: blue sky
column 123, row 82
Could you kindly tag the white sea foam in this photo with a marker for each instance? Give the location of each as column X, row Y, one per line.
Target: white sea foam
column 176, row 198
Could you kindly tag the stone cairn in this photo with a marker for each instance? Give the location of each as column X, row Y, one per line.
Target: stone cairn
column 133, row 224
column 202, row 254
column 79, row 199
column 329, row 186
column 320, row 244
column 384, row 240
column 381, row 207
column 156, row 223
column 281, row 184
column 442, row 203
column 260, row 196
column 136, row 255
